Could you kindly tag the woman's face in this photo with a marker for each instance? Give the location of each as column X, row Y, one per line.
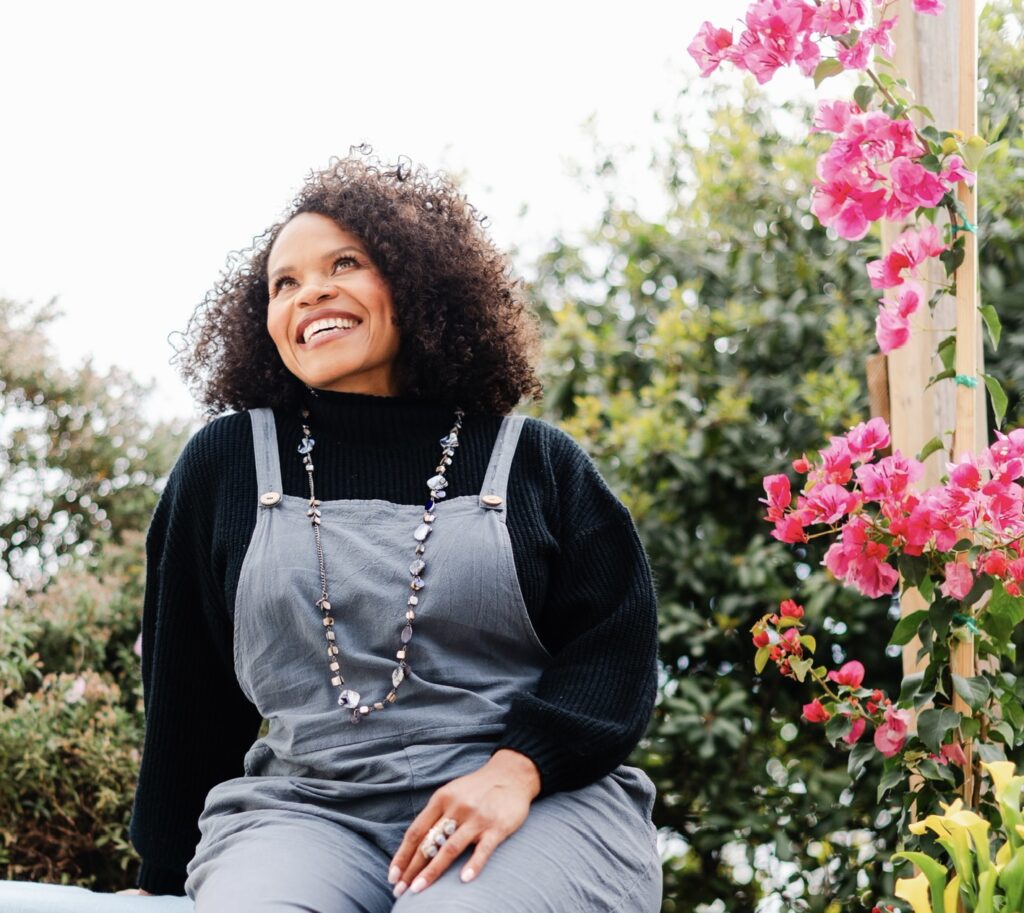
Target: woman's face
column 330, row 311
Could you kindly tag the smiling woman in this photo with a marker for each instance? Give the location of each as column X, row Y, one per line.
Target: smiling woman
column 448, row 623
column 399, row 249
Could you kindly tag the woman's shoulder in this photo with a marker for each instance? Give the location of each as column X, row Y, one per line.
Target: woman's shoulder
column 564, row 453
column 214, row 446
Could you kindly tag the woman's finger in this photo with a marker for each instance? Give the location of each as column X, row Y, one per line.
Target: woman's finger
column 452, row 848
column 413, row 837
column 485, row 846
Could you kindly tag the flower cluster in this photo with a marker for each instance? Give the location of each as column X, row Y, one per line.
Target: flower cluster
column 779, row 33
column 873, row 170
column 870, row 500
column 879, row 165
column 779, row 640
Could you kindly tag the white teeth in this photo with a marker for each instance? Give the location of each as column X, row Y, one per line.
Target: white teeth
column 328, row 323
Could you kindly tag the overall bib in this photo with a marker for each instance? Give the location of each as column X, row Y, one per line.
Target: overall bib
column 324, row 802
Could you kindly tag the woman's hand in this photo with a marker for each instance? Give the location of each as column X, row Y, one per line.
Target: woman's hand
column 488, row 805
column 135, row 891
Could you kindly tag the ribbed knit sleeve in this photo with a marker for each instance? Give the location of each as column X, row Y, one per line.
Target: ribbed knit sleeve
column 595, row 699
column 198, row 722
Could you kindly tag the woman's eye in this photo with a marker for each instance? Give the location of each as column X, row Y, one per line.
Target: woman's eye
column 345, row 259
column 281, row 280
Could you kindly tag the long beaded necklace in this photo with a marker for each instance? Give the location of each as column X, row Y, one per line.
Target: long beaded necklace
column 436, row 485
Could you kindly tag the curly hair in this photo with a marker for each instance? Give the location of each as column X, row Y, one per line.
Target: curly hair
column 466, row 334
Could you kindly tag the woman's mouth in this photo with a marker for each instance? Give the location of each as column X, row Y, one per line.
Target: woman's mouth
column 318, row 335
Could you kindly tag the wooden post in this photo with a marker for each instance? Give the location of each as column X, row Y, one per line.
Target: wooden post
column 937, row 55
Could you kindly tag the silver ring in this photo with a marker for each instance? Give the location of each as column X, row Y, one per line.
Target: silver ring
column 438, row 836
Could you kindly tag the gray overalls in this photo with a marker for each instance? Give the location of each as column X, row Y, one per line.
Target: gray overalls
column 324, row 803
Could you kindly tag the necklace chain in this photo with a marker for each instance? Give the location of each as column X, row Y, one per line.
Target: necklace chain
column 436, row 485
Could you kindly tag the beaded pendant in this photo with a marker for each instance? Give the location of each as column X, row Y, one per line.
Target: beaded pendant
column 349, row 698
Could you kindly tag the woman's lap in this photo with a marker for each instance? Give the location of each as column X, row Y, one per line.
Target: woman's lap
column 591, row 850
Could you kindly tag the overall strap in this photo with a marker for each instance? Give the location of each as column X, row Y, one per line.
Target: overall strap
column 494, row 492
column 268, row 465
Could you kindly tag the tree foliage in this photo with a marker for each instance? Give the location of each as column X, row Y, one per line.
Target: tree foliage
column 693, row 354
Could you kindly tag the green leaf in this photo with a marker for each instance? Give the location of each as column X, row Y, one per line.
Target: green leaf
column 992, row 323
column 837, row 727
column 947, row 352
column 940, row 613
column 998, row 397
column 761, row 658
column 910, row 686
column 934, row 723
column 989, row 752
column 892, row 775
column 907, row 627
column 934, row 444
column 1005, row 731
column 859, row 755
column 952, row 258
column 926, row 588
column 942, row 375
column 801, row 667
column 862, row 95
column 912, row 568
column 974, row 690
column 830, row 66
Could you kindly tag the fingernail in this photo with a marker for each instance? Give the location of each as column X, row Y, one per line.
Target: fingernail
column 418, row 885
column 468, row 875
column 400, row 888
column 393, row 874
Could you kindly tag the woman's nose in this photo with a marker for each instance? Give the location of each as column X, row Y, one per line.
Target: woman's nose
column 314, row 292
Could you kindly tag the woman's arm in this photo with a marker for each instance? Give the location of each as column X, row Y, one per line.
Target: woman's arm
column 600, row 621
column 198, row 722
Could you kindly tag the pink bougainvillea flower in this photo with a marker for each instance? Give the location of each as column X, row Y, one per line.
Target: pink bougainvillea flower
column 955, row 171
column 889, row 479
column 801, row 464
column 791, row 528
column 709, row 47
column 860, row 562
column 931, row 7
column 851, row 674
column 779, row 497
column 913, row 185
column 815, row 712
column 761, row 639
column 856, row 731
column 953, row 751
column 959, row 580
column 892, row 733
column 995, row 564
column 830, row 503
column 879, row 36
column 788, row 608
column 838, row 17
column 911, row 248
column 856, row 57
column 892, row 330
column 832, row 116
column 965, row 474
column 867, row 437
column 906, row 298
column 847, row 208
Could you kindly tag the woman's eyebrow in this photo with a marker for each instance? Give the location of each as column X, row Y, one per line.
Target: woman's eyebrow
column 328, row 256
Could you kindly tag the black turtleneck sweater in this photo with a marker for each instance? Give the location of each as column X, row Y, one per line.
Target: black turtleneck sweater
column 581, row 568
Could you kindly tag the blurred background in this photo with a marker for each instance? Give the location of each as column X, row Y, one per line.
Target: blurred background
column 703, row 329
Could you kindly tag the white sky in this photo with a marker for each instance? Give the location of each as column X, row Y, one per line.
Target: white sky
column 144, row 143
